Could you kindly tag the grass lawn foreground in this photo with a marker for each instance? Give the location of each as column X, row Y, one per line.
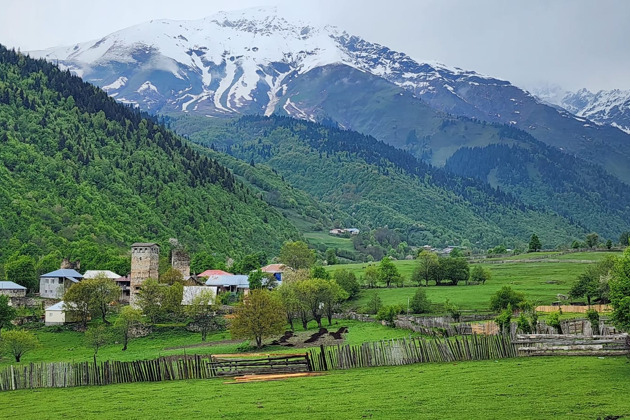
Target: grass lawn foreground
column 523, row 388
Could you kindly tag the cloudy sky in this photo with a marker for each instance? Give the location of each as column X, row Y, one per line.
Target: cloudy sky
column 571, row 43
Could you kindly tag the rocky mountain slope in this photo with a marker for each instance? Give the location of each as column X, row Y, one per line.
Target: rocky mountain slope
column 256, row 62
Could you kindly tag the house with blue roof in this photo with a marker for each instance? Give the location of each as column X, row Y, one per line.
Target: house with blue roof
column 54, row 284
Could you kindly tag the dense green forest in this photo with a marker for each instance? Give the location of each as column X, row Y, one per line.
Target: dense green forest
column 546, row 177
column 377, row 185
column 83, row 176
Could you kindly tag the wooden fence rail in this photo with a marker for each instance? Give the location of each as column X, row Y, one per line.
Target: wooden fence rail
column 168, row 368
column 572, row 345
column 412, row 350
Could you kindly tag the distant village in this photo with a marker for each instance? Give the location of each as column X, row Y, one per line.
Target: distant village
column 144, row 265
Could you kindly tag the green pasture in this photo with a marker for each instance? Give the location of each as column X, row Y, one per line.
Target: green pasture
column 329, row 241
column 67, row 345
column 540, row 281
column 521, row 388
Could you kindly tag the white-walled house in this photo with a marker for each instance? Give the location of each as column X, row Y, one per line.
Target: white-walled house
column 57, row 315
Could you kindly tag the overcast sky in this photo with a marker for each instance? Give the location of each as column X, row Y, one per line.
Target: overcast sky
column 572, row 43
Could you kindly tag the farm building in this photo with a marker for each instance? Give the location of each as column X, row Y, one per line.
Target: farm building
column 229, row 283
column 276, row 270
column 54, row 284
column 191, row 292
column 57, row 315
column 8, row 288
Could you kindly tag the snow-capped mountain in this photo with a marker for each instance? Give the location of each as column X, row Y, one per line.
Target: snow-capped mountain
column 605, row 107
column 257, row 62
column 241, row 62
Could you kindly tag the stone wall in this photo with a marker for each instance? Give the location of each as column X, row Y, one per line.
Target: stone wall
column 180, row 261
column 145, row 260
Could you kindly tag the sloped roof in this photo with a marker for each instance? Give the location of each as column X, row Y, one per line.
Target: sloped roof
column 238, row 280
column 209, row 273
column 90, row 274
column 274, row 268
column 64, row 272
column 9, row 285
column 59, row 306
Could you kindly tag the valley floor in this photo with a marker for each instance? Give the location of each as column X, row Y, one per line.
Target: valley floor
column 537, row 388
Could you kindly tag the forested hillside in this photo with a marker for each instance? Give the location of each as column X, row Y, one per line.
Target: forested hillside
column 378, row 185
column 83, row 176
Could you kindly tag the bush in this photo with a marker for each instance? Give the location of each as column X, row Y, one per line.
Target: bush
column 593, row 316
column 374, row 304
column 506, row 297
column 554, row 321
column 388, row 314
column 420, row 303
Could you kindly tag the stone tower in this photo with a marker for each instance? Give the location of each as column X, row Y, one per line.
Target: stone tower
column 180, row 261
column 145, row 261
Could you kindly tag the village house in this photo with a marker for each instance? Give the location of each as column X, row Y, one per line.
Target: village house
column 11, row 289
column 54, row 284
column 229, row 283
column 275, row 270
column 57, row 315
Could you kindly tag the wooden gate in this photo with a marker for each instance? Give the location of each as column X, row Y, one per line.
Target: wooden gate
column 223, row 365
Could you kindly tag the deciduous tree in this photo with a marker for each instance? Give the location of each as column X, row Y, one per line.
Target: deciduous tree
column 97, row 336
column 479, row 275
column 258, row 316
column 388, row 273
column 19, row 342
column 427, row 268
column 21, row 270
column 7, row 313
column 297, row 255
column 203, row 311
column 128, row 319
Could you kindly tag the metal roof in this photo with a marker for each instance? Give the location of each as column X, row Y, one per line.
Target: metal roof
column 9, row 285
column 64, row 272
column 274, row 268
column 229, row 280
column 90, row 274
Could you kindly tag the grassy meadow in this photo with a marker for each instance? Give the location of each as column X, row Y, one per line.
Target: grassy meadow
column 522, row 388
column 540, row 281
column 70, row 345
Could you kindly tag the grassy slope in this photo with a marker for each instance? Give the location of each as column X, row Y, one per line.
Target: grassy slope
column 560, row 387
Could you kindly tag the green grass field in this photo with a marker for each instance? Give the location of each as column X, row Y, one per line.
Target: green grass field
column 522, row 388
column 71, row 346
column 540, row 281
column 329, row 241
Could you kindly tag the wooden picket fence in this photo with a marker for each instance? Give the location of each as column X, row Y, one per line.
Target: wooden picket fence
column 168, row 368
column 412, row 350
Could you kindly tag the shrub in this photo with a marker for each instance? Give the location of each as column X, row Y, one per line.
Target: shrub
column 593, row 316
column 420, row 303
column 374, row 304
column 506, row 297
